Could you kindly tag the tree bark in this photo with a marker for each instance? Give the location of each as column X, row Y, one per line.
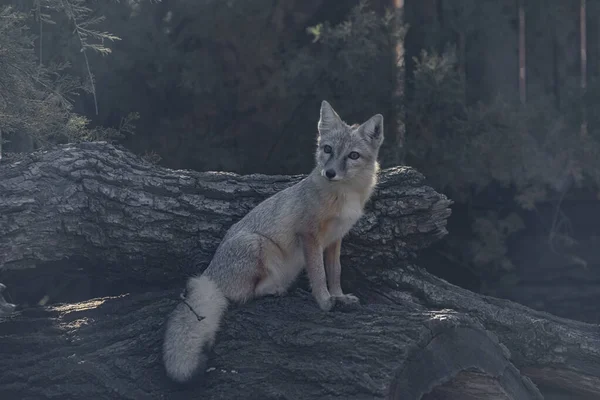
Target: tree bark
column 97, row 210
column 414, row 336
column 583, row 60
column 522, row 53
column 417, row 337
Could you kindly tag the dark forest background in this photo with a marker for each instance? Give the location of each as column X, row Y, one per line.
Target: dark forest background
column 495, row 101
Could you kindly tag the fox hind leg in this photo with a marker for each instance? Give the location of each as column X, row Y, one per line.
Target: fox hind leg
column 237, row 267
column 278, row 271
column 267, row 287
column 250, row 265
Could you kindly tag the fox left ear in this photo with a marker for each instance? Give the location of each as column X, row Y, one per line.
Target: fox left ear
column 372, row 130
column 329, row 119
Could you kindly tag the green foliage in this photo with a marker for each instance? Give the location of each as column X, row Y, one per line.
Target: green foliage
column 36, row 101
column 78, row 129
column 82, row 20
column 357, row 49
column 353, row 59
column 534, row 152
column 237, row 85
column 489, row 247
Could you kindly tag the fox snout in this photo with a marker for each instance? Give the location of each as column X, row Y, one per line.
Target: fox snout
column 330, row 174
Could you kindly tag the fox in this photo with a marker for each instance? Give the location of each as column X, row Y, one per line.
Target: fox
column 298, row 228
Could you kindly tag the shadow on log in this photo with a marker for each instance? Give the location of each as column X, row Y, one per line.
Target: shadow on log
column 413, row 337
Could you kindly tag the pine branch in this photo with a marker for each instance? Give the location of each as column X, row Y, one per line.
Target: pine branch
column 78, row 13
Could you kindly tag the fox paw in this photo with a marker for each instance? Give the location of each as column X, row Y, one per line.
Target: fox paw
column 347, row 299
column 327, row 304
column 280, row 293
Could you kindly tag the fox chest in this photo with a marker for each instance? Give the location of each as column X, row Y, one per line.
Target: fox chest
column 338, row 224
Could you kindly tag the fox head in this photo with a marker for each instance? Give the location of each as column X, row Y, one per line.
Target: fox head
column 347, row 153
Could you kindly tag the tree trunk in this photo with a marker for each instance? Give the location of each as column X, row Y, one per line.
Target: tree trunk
column 583, row 61
column 522, row 53
column 414, row 336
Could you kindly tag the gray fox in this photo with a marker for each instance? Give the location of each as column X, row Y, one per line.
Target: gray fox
column 299, row 227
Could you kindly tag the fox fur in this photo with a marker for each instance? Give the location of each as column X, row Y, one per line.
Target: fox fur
column 298, row 228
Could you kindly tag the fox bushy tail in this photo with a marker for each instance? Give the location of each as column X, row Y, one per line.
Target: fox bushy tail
column 192, row 327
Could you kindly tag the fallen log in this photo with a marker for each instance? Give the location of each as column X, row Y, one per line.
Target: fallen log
column 561, row 356
column 96, row 210
column 275, row 348
column 424, row 339
column 413, row 337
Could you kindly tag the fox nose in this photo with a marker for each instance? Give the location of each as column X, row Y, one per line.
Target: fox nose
column 330, row 174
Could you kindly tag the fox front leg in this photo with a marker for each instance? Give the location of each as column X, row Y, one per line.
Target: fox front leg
column 333, row 267
column 313, row 257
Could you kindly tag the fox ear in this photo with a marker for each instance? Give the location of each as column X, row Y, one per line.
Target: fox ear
column 372, row 130
column 329, row 118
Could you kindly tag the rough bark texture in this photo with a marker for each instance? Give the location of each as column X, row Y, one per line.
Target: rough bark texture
column 559, row 355
column 275, row 348
column 419, row 338
column 413, row 337
column 121, row 219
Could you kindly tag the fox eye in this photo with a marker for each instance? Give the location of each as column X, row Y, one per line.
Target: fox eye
column 353, row 155
column 327, row 149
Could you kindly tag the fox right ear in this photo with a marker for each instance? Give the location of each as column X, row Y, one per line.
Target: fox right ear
column 372, row 130
column 329, row 118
